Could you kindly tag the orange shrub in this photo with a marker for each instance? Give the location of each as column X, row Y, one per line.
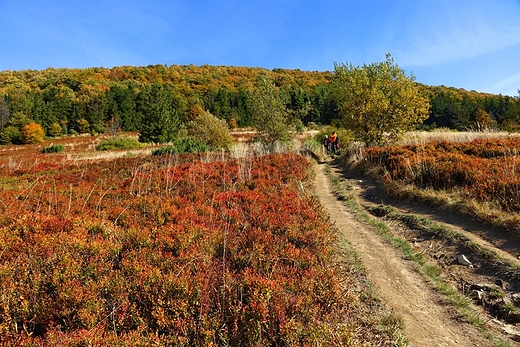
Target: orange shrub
column 484, row 169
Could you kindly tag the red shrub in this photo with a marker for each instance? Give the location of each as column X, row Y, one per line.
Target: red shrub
column 162, row 250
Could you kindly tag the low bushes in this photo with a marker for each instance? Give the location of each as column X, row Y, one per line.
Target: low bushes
column 119, row 142
column 186, row 145
column 139, row 252
column 483, row 171
column 53, row 149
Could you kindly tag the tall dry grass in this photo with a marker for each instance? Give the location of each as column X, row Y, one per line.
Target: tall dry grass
column 443, row 134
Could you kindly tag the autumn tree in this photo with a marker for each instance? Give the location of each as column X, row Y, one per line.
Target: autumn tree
column 83, row 125
column 268, row 113
column 55, row 130
column 33, row 133
column 195, row 111
column 211, row 130
column 483, row 119
column 233, row 124
column 377, row 102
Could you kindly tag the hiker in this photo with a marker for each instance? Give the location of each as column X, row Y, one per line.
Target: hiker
column 334, row 141
column 326, row 143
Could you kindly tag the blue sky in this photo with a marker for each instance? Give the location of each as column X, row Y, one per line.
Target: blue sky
column 470, row 44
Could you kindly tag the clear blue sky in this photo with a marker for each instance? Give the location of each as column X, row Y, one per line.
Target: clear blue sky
column 470, row 44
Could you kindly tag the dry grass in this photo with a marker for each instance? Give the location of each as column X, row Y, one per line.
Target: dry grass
column 83, row 148
column 418, row 137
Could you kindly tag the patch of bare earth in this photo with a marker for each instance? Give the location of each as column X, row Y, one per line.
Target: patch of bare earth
column 429, row 319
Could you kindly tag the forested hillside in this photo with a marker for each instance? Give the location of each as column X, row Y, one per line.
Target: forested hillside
column 462, row 110
column 70, row 101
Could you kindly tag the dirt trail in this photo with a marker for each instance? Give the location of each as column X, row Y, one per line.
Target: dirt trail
column 428, row 320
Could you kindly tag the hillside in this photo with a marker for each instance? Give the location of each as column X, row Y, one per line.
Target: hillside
column 70, row 101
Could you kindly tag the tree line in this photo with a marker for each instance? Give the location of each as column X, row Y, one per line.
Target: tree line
column 157, row 100
column 462, row 110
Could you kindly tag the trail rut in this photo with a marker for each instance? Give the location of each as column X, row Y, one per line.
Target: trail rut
column 428, row 319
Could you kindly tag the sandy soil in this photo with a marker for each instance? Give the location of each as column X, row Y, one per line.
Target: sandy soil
column 428, row 319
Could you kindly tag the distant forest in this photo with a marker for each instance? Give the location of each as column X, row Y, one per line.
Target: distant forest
column 69, row 101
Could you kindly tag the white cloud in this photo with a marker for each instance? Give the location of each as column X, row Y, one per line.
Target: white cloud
column 506, row 86
column 452, row 32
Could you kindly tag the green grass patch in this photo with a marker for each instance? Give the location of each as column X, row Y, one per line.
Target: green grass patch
column 186, row 145
column 119, row 142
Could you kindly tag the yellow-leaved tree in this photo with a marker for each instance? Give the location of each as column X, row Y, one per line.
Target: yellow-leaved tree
column 483, row 119
column 378, row 102
column 33, row 133
column 210, row 130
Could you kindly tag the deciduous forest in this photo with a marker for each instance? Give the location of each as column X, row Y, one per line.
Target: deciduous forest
column 71, row 101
